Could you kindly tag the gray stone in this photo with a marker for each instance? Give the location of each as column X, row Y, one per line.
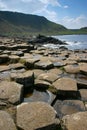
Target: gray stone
column 6, row 122
column 68, row 107
column 36, row 115
column 11, row 91
column 77, row 121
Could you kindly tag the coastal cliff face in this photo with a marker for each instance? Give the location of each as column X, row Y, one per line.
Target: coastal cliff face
column 42, row 88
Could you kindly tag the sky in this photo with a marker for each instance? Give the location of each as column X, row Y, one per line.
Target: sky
column 70, row 13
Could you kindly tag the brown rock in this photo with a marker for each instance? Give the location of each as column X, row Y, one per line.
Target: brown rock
column 6, row 122
column 77, row 121
column 36, row 115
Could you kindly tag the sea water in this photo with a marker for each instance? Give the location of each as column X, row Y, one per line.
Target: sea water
column 73, row 41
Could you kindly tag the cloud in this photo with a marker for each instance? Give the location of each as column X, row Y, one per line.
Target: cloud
column 2, row 5
column 74, row 23
column 66, row 6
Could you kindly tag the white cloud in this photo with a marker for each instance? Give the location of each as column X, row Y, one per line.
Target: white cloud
column 66, row 6
column 2, row 5
column 73, row 23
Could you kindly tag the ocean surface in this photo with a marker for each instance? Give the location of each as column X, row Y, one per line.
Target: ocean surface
column 74, row 41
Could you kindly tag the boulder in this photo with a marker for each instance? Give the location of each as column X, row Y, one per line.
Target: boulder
column 6, row 122
column 11, row 92
column 68, row 107
column 77, row 121
column 35, row 116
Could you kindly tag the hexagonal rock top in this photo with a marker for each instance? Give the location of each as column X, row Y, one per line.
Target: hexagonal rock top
column 77, row 121
column 72, row 69
column 36, row 115
column 6, row 122
column 83, row 68
column 65, row 84
column 11, row 92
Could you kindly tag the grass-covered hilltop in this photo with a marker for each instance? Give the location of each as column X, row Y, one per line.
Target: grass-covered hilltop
column 19, row 24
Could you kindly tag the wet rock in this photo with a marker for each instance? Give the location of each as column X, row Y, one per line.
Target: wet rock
column 4, row 58
column 49, row 77
column 25, row 78
column 18, row 53
column 37, row 115
column 77, row 121
column 35, row 96
column 72, row 68
column 6, row 122
column 58, row 64
column 83, row 93
column 11, row 92
column 68, row 107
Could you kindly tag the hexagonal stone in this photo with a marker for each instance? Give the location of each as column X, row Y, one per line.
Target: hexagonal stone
column 14, row 58
column 36, row 115
column 68, row 107
column 77, row 121
column 11, row 91
column 6, row 122
column 41, row 85
column 83, row 93
column 56, row 71
column 83, row 68
column 65, row 84
column 4, row 58
column 44, row 65
column 16, row 66
column 25, row 78
column 4, row 68
column 72, row 69
column 50, row 77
